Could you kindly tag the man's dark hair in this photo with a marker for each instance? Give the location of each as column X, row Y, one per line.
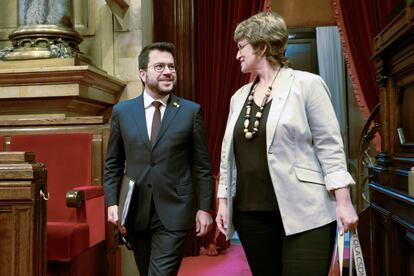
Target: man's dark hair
column 143, row 57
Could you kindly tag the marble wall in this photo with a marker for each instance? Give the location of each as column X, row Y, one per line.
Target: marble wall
column 113, row 42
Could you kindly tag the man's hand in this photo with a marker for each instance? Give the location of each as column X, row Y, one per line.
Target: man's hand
column 203, row 222
column 113, row 214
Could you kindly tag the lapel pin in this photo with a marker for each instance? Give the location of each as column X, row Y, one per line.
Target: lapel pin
column 175, row 104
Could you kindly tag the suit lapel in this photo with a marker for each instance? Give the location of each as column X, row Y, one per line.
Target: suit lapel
column 170, row 111
column 139, row 117
column 283, row 85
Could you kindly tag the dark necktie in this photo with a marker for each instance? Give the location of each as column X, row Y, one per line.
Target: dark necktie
column 156, row 121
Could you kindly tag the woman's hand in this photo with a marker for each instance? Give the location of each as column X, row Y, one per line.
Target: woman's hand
column 346, row 216
column 222, row 217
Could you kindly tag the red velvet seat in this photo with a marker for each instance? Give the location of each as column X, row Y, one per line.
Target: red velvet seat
column 71, row 232
column 66, row 240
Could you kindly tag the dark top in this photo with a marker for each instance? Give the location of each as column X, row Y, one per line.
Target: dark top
column 254, row 190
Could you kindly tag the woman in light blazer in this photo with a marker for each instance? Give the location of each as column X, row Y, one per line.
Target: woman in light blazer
column 284, row 182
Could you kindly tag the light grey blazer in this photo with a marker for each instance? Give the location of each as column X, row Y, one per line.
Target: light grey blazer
column 304, row 151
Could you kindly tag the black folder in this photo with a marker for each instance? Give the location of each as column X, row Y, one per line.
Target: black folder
column 127, row 188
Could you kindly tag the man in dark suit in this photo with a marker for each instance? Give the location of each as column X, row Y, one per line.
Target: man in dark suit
column 162, row 147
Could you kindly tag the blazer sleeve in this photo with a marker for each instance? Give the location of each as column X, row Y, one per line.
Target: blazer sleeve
column 225, row 168
column 326, row 134
column 202, row 164
column 115, row 161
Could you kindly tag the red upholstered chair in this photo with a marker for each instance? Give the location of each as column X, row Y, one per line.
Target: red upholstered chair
column 75, row 236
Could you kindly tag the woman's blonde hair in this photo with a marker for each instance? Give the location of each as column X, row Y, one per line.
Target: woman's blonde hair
column 265, row 31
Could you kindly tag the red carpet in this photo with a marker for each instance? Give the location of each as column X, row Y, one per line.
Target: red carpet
column 230, row 262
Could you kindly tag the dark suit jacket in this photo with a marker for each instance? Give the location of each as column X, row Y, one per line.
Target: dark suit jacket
column 163, row 172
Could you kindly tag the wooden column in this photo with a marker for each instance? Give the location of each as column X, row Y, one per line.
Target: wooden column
column 179, row 30
column 22, row 215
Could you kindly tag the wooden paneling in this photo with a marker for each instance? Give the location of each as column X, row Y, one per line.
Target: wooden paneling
column 22, row 215
column 392, row 231
column 392, row 220
column 301, row 14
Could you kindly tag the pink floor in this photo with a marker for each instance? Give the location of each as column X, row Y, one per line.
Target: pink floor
column 230, row 262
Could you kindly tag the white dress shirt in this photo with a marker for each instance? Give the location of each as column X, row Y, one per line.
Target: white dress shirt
column 150, row 109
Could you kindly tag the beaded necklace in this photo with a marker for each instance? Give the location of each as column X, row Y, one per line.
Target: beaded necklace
column 251, row 134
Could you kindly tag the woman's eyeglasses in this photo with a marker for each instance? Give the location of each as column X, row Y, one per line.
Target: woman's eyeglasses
column 242, row 44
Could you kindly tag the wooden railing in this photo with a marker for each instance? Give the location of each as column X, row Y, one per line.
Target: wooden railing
column 366, row 158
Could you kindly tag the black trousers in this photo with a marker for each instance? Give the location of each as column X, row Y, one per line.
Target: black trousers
column 157, row 251
column 270, row 252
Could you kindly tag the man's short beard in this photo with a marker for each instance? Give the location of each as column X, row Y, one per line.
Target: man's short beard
column 157, row 88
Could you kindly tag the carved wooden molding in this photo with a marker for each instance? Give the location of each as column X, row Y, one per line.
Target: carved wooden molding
column 48, row 119
column 72, row 90
column 83, row 74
